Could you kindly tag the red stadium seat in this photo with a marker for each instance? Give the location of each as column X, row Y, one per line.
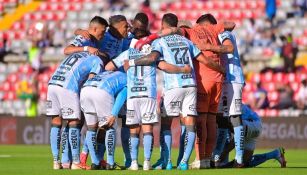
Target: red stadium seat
column 252, row 5
column 197, row 5
column 295, row 86
column 256, row 78
column 279, row 77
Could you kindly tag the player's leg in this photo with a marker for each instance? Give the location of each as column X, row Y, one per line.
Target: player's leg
column 53, row 111
column 66, row 152
column 133, row 121
column 222, row 132
column 189, row 112
column 181, row 141
column 125, row 136
column 85, row 150
column 110, row 142
column 277, row 154
column 235, row 112
column 148, row 108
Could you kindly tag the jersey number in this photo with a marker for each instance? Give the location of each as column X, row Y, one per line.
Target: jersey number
column 72, row 60
column 184, row 59
column 138, row 69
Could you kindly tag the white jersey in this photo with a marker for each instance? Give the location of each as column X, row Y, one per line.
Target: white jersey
column 231, row 61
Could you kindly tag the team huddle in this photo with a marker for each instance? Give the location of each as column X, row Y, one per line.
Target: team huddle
column 110, row 73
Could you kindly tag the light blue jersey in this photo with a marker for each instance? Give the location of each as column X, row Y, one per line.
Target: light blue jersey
column 75, row 69
column 111, row 45
column 179, row 51
column 234, row 72
column 111, row 82
column 80, row 41
column 249, row 114
column 141, row 80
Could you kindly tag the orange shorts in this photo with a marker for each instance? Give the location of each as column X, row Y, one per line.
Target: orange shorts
column 208, row 96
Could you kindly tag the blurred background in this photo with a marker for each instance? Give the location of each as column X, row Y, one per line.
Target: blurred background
column 271, row 36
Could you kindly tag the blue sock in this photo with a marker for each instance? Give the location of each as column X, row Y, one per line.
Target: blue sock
column 167, row 145
column 220, row 143
column 261, row 158
column 134, row 145
column 125, row 136
column 101, row 149
column 74, row 141
column 66, row 154
column 85, row 148
column 239, row 143
column 181, row 144
column 92, row 143
column 188, row 143
column 55, row 140
column 148, row 145
column 161, row 140
column 110, row 141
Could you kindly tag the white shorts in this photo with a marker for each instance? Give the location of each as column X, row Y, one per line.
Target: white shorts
column 96, row 104
column 253, row 131
column 179, row 101
column 231, row 99
column 63, row 103
column 141, row 111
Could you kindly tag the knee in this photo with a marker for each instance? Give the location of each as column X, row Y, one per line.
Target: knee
column 56, row 121
column 236, row 120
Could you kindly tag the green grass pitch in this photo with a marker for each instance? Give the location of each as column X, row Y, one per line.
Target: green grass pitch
column 32, row 160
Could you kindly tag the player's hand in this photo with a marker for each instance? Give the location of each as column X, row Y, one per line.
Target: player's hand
column 110, row 121
column 187, row 69
column 126, row 65
column 85, row 34
column 93, row 50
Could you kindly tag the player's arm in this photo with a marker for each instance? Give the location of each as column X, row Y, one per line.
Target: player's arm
column 143, row 61
column 91, row 75
column 83, row 33
column 119, row 102
column 73, row 49
column 229, row 25
column 209, row 63
column 110, row 66
column 224, row 48
column 169, row 68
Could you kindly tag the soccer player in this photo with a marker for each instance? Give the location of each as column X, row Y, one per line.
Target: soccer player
column 112, row 45
column 179, row 89
column 252, row 124
column 97, row 99
column 141, row 103
column 97, row 28
column 63, row 101
column 231, row 100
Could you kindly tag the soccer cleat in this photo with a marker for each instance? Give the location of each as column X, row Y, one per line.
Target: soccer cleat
column 76, row 166
column 204, row 164
column 158, row 164
column 127, row 163
column 195, row 164
column 95, row 167
column 134, row 166
column 238, row 165
column 115, row 166
column 183, row 166
column 66, row 165
column 57, row 165
column 83, row 158
column 169, row 165
column 281, row 158
column 147, row 165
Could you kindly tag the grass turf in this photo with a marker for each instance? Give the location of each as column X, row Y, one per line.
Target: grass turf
column 32, row 160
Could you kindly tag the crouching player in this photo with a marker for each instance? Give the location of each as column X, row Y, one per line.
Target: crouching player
column 101, row 99
column 252, row 125
column 63, row 101
column 141, row 103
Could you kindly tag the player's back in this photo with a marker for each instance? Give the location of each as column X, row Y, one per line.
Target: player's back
column 141, row 79
column 111, row 45
column 231, row 61
column 110, row 81
column 75, row 69
column 249, row 114
column 179, row 51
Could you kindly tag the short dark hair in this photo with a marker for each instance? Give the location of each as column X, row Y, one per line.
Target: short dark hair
column 171, row 19
column 142, row 17
column 207, row 17
column 116, row 19
column 99, row 20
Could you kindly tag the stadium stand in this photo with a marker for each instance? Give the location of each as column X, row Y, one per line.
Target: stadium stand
column 258, row 42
